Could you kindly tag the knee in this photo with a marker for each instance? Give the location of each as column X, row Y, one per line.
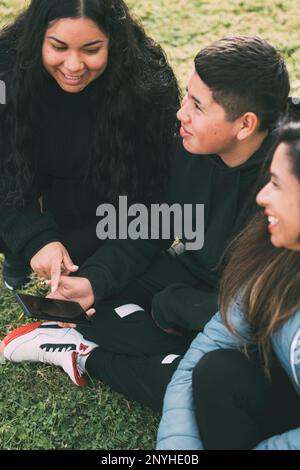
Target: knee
column 218, row 368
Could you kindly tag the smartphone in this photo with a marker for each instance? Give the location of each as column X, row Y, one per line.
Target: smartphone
column 52, row 309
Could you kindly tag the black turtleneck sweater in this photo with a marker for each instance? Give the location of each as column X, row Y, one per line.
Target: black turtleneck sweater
column 63, row 132
column 63, row 125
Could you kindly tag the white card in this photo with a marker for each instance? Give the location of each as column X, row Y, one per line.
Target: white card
column 128, row 309
column 169, row 359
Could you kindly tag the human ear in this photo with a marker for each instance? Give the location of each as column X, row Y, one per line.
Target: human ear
column 247, row 125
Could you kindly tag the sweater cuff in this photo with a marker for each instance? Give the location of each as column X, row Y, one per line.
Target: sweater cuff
column 39, row 241
column 98, row 280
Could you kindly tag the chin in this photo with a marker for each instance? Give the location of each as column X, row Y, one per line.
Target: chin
column 72, row 89
column 277, row 243
column 189, row 146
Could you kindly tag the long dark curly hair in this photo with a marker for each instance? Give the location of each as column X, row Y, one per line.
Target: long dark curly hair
column 139, row 98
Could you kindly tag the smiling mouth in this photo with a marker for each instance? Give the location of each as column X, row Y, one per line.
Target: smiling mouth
column 73, row 78
column 273, row 222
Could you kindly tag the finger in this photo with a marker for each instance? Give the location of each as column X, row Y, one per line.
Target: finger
column 55, row 277
column 68, row 264
column 48, row 282
column 67, row 325
column 56, row 295
column 90, row 312
column 42, row 273
column 63, row 281
column 65, row 287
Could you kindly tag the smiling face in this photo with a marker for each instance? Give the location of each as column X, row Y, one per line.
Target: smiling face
column 75, row 53
column 205, row 128
column 281, row 200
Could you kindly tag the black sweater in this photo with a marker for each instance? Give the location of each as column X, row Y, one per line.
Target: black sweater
column 63, row 125
column 229, row 198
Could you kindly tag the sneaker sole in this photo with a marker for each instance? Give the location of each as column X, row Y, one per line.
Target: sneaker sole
column 8, row 286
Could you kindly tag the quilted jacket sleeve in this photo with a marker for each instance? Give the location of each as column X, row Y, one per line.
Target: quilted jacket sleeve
column 288, row 441
column 178, row 427
column 286, row 344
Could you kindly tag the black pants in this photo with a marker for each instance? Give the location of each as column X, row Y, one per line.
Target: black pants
column 135, row 357
column 235, row 404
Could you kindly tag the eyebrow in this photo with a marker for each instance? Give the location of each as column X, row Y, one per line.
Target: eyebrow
column 194, row 98
column 85, row 45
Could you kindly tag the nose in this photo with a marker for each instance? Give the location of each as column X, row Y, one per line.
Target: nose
column 183, row 113
column 73, row 63
column 262, row 197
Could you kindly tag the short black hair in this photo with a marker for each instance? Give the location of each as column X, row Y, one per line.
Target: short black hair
column 246, row 74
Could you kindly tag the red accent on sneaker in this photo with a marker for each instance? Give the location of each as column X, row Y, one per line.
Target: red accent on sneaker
column 23, row 330
column 86, row 350
column 80, row 380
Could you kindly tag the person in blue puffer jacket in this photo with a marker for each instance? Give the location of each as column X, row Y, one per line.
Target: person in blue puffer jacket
column 238, row 386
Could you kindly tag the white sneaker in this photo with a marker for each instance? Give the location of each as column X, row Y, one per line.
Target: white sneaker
column 49, row 343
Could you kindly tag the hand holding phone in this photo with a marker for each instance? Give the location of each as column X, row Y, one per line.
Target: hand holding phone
column 75, row 288
column 52, row 309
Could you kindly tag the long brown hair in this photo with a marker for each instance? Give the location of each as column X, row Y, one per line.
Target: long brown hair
column 266, row 279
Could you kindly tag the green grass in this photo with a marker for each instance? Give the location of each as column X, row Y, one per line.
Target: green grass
column 39, row 407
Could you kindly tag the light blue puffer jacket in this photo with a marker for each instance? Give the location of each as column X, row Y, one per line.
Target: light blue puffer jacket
column 178, row 427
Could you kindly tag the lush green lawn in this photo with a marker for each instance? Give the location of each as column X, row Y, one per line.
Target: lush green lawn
column 39, row 407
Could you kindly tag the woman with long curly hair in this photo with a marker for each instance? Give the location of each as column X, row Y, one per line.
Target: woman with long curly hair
column 238, row 385
column 89, row 115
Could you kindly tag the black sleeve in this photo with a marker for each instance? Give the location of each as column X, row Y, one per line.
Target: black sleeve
column 24, row 230
column 117, row 262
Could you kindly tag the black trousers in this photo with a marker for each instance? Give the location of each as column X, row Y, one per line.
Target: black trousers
column 236, row 406
column 135, row 357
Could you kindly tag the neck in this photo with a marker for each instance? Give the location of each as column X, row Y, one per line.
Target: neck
column 242, row 151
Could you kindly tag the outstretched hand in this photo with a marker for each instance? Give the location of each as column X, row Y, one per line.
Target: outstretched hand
column 49, row 260
column 77, row 289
